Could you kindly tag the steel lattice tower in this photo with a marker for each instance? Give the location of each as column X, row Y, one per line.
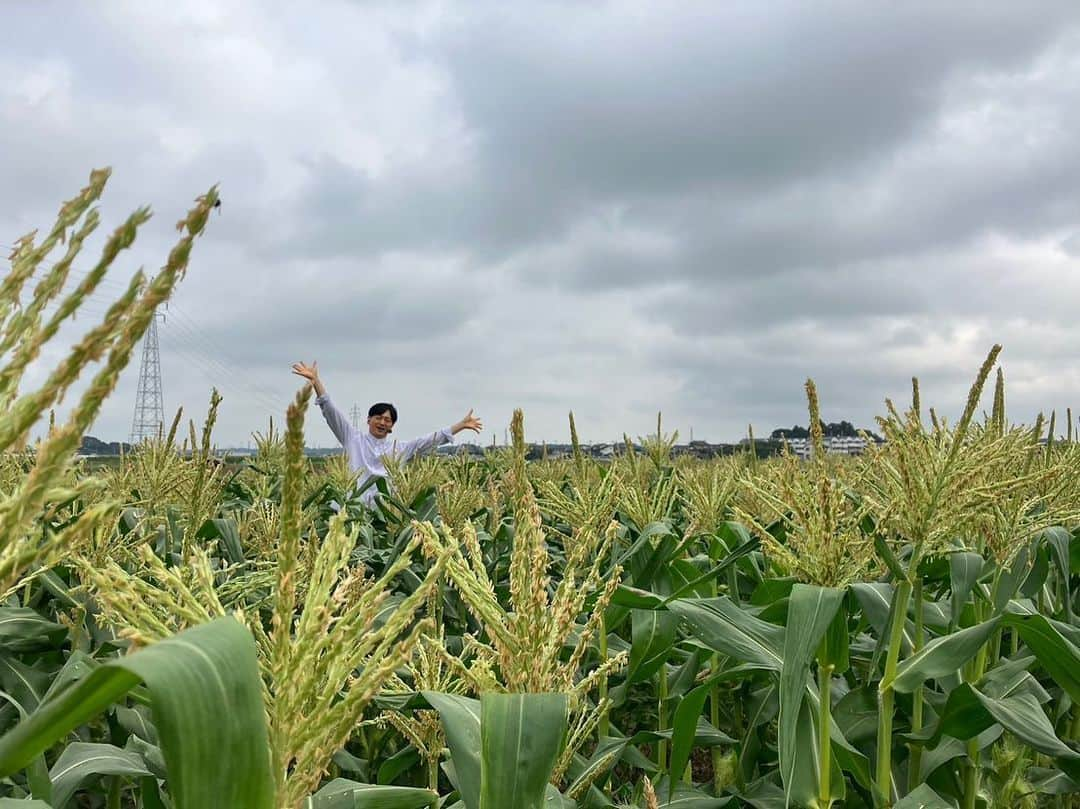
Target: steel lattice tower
column 149, row 410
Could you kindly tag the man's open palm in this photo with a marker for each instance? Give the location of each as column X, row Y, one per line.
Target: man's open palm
column 471, row 422
column 309, row 372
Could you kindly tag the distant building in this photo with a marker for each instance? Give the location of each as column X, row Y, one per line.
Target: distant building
column 834, row 445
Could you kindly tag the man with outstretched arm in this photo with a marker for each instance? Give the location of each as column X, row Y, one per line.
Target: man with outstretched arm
column 367, row 448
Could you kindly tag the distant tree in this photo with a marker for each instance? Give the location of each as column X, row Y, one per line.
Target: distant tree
column 789, row 432
column 842, row 429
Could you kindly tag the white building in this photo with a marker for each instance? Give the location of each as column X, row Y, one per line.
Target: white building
column 835, row 445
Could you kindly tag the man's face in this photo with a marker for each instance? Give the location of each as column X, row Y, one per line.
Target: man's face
column 380, row 426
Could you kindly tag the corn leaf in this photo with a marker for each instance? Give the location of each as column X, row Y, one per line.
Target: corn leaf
column 964, row 571
column 342, row 793
column 725, row 628
column 941, row 656
column 1059, row 656
column 522, row 736
column 22, row 629
column 604, row 757
column 460, row 718
column 206, row 698
column 82, row 761
column 652, row 635
column 922, row 797
column 683, row 731
column 810, row 614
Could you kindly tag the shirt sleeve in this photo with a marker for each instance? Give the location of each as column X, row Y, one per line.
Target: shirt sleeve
column 425, row 443
column 339, row 425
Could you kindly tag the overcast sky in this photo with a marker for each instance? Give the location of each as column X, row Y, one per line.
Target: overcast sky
column 614, row 208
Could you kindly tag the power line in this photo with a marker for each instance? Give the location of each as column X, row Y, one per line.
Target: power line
column 182, row 326
column 214, row 352
column 186, row 337
column 222, row 376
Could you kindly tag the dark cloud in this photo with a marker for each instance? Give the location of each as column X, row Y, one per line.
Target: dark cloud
column 610, row 208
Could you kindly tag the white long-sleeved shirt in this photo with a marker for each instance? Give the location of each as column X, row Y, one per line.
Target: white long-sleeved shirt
column 366, row 452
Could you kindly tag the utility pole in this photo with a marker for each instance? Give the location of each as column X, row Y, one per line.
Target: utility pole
column 149, row 416
column 355, row 413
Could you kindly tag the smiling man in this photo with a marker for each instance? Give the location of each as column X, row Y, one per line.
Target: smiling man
column 366, row 449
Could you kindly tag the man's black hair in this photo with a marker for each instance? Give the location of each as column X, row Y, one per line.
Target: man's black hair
column 379, row 408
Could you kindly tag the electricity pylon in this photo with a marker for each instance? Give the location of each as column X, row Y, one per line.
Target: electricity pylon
column 149, row 415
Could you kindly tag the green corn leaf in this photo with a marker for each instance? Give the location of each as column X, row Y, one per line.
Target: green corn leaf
column 643, row 542
column 25, row 685
column 224, row 529
column 886, row 554
column 462, row 721
column 402, row 761
column 1052, row 782
column 1059, row 656
column 763, row 794
column 964, row 570
column 344, row 794
column 849, row 759
column 970, row 713
column 1022, row 716
column 136, row 721
column 347, row 762
column 77, row 666
column 460, row 718
column 876, row 600
column 22, row 630
column 522, row 736
column 941, row 656
column 82, row 761
column 1010, row 678
column 856, row 713
column 57, row 588
column 835, row 644
column 151, row 795
column 705, row 735
column 725, row 628
column 685, row 676
column 604, row 758
column 950, row 748
column 962, row 718
column 810, row 614
column 206, row 698
column 684, row 727
column 801, row 774
column 652, row 636
column 1059, row 540
column 686, row 797
column 151, row 756
column 1011, row 580
column 37, row 771
column 922, row 797
column 633, row 598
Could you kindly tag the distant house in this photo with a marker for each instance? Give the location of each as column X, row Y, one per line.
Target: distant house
column 834, row 445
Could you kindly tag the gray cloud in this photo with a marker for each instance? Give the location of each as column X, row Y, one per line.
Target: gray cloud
column 611, row 209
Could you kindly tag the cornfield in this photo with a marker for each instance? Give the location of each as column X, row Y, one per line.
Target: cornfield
column 895, row 629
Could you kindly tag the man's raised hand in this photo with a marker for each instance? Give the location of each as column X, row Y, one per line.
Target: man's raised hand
column 469, row 422
column 311, row 374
